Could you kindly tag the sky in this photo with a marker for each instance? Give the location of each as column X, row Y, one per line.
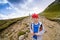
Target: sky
column 18, row 8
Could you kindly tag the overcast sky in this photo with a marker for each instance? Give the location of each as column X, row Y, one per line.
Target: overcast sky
column 19, row 8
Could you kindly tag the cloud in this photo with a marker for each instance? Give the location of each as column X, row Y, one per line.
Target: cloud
column 3, row 1
column 2, row 17
column 23, row 9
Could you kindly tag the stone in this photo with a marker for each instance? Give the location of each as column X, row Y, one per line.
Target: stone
column 21, row 37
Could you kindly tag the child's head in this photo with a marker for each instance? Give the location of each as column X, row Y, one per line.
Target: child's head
column 35, row 17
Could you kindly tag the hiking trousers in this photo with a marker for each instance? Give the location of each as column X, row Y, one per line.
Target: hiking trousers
column 38, row 38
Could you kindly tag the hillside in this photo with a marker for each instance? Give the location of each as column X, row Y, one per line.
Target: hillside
column 20, row 30
column 52, row 11
column 6, row 23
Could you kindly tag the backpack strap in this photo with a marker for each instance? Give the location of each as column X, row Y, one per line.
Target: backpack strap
column 32, row 25
column 40, row 26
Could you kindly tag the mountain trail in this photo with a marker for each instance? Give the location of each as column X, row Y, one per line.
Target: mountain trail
column 51, row 29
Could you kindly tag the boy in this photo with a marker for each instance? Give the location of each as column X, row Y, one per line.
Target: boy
column 36, row 28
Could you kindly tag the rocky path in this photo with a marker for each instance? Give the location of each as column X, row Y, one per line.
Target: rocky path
column 51, row 30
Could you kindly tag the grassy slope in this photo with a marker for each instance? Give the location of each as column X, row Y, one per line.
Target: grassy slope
column 52, row 11
column 6, row 23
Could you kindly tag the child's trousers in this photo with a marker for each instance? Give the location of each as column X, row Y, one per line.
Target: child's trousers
column 38, row 38
column 34, row 39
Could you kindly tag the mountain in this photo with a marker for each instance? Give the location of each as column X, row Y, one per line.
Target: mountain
column 52, row 11
column 57, row 1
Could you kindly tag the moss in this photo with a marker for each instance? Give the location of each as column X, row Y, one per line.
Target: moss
column 27, row 31
column 21, row 33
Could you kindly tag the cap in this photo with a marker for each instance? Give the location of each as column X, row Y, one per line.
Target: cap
column 34, row 15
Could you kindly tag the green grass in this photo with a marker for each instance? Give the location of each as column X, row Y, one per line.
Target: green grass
column 21, row 33
column 7, row 23
column 52, row 11
column 2, row 22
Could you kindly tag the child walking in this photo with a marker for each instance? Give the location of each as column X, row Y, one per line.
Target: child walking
column 36, row 28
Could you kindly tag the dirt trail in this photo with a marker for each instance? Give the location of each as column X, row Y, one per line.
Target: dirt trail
column 51, row 30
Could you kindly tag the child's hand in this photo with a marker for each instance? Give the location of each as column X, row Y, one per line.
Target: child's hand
column 32, row 33
column 37, row 34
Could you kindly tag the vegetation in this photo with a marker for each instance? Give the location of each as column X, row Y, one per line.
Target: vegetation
column 52, row 11
column 6, row 23
column 21, row 33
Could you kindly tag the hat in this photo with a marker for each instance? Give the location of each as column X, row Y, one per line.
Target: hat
column 34, row 15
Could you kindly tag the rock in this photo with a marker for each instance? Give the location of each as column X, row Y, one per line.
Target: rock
column 50, row 26
column 21, row 37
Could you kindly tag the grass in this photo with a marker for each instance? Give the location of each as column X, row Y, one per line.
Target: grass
column 6, row 23
column 2, row 22
column 52, row 11
column 21, row 33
